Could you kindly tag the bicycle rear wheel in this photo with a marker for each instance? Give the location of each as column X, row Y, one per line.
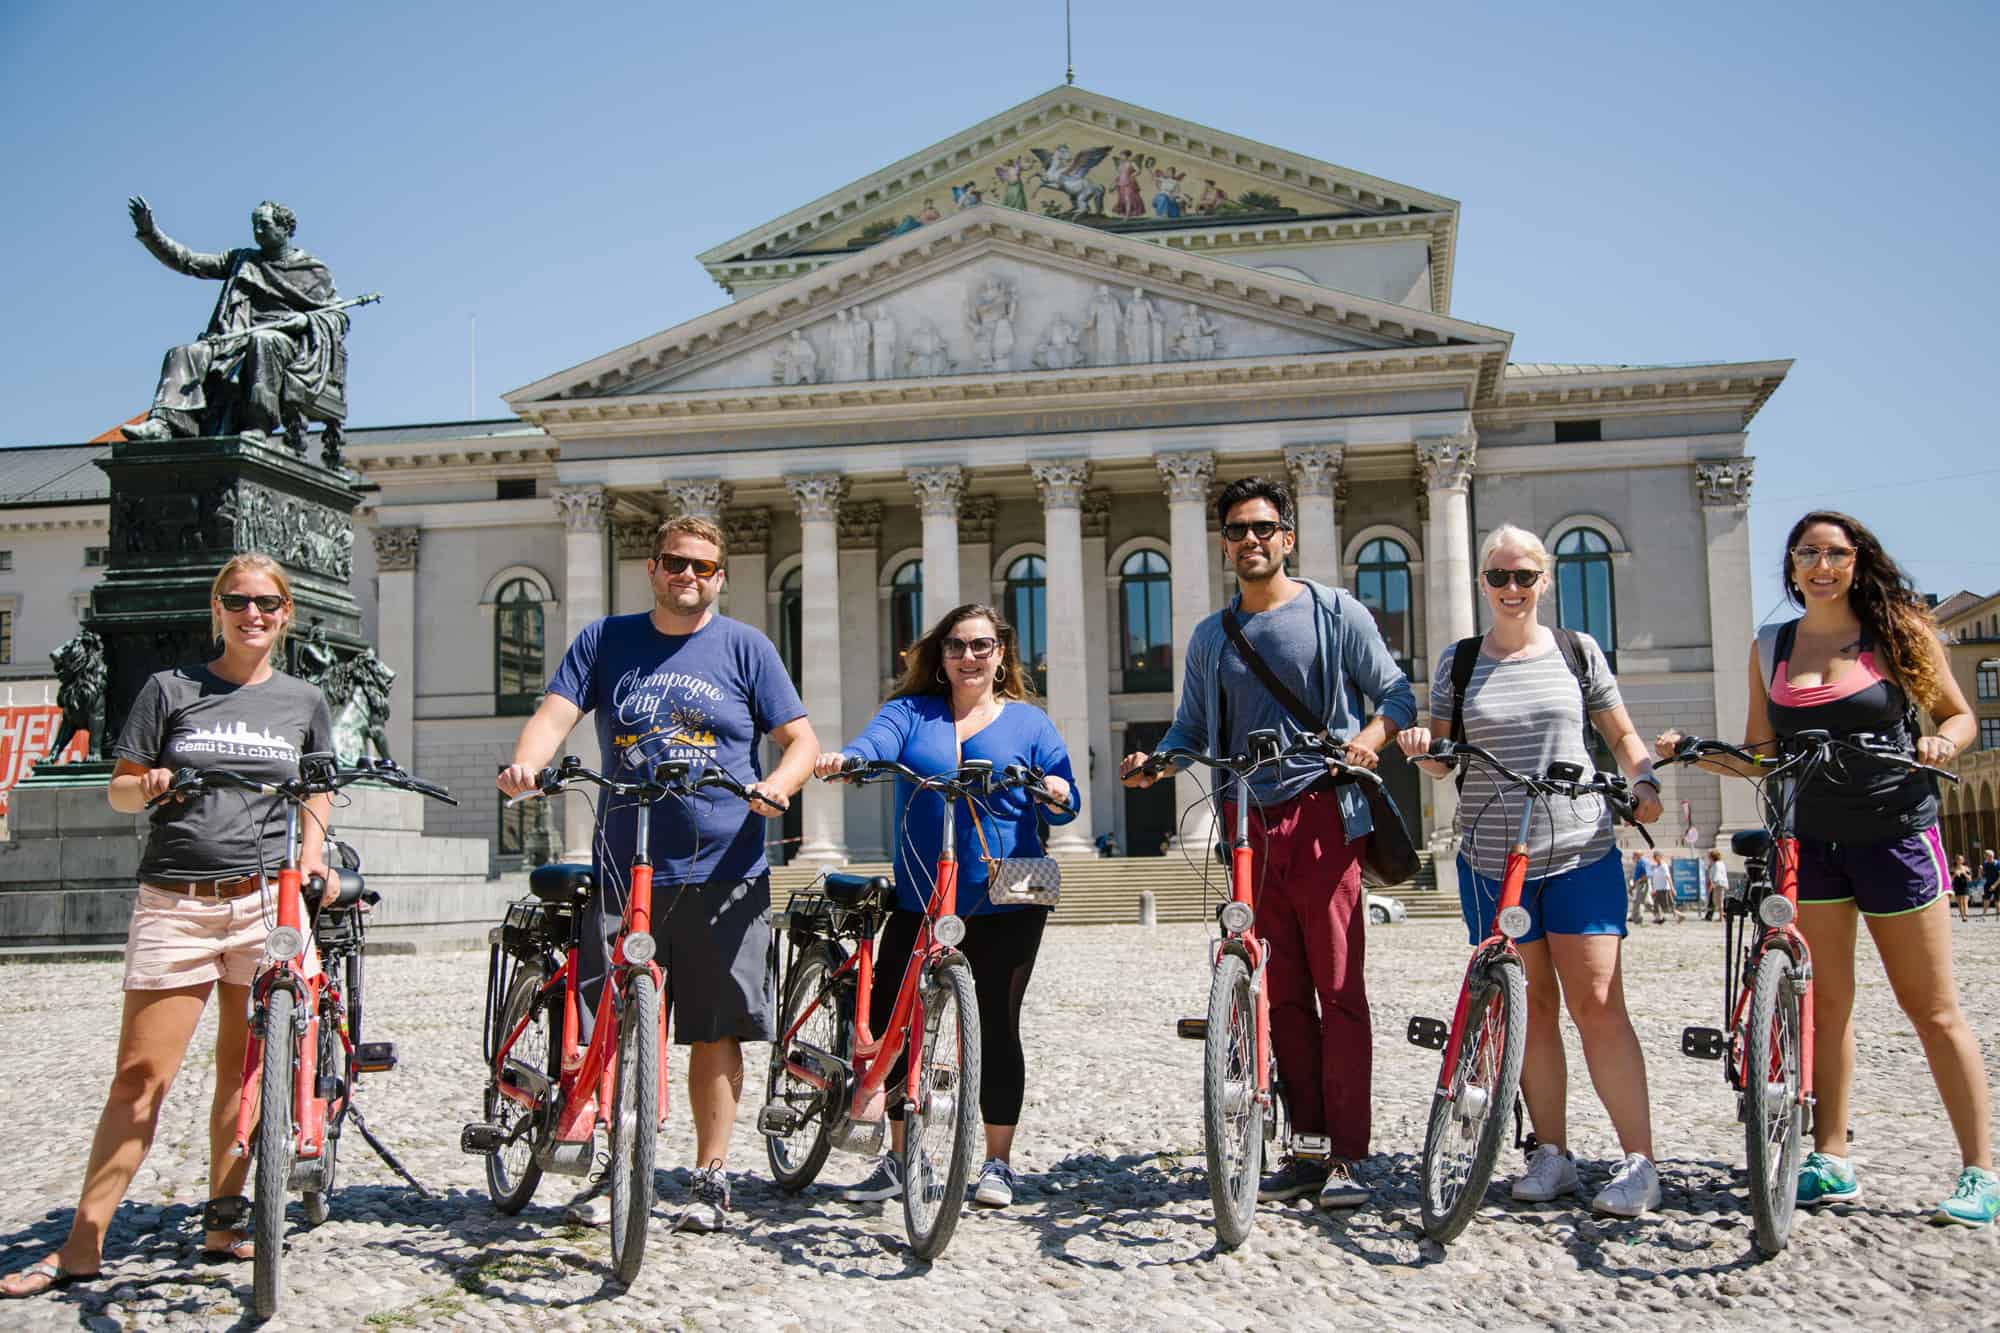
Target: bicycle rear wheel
column 511, row 1172
column 274, row 1148
column 796, row 1158
column 1467, row 1122
column 331, row 1069
column 940, row 1128
column 1232, row 1116
column 635, row 1122
column 1773, row 1117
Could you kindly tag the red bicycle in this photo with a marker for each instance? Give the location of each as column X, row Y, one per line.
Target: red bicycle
column 546, row 1094
column 304, row 1053
column 1484, row 1044
column 830, row 1068
column 1767, row 999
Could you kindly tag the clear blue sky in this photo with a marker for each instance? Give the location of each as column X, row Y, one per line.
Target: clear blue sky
column 1640, row 183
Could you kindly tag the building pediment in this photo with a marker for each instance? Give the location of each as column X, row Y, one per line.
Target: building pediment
column 994, row 293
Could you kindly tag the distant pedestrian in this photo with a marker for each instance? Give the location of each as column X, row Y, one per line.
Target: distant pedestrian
column 1961, row 886
column 1662, row 882
column 1718, row 884
column 1990, row 874
column 1638, row 889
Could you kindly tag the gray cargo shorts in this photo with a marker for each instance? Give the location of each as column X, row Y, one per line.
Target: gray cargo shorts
column 715, row 949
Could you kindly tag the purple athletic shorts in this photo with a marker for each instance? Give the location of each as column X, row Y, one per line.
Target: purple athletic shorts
column 1880, row 878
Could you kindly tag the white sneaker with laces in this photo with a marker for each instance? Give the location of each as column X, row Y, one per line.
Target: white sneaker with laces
column 996, row 1184
column 1551, row 1171
column 592, row 1208
column 1633, row 1190
column 884, row 1182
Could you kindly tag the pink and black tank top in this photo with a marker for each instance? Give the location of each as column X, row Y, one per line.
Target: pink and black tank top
column 1867, row 804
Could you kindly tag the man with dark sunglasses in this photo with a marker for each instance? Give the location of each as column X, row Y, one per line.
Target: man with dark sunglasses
column 1308, row 833
column 681, row 682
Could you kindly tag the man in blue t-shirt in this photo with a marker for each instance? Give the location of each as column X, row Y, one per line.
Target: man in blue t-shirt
column 680, row 682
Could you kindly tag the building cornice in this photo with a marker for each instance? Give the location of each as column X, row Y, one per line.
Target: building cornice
column 1744, row 385
column 72, row 517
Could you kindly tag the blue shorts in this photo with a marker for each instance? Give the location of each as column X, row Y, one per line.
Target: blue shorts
column 1589, row 900
column 1880, row 878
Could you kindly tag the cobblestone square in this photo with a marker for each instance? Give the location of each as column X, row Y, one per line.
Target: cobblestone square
column 1111, row 1225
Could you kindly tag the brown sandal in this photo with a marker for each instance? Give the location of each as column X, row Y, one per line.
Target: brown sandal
column 230, row 1215
column 35, row 1279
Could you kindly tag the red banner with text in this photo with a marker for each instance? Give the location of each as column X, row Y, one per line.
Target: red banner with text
column 25, row 737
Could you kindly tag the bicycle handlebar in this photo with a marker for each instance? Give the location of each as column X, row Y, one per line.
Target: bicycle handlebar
column 1561, row 780
column 977, row 777
column 319, row 775
column 1265, row 751
column 673, row 777
column 1804, row 749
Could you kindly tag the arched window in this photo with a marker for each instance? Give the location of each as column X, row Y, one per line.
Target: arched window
column 1382, row 582
column 1145, row 597
column 791, row 625
column 906, row 613
column 1027, row 605
column 518, row 648
column 1586, row 598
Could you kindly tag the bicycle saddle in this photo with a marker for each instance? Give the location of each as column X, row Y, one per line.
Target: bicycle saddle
column 562, row 883
column 1752, row 844
column 853, row 891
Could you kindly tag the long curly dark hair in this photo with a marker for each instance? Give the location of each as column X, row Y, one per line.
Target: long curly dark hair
column 924, row 668
column 1884, row 600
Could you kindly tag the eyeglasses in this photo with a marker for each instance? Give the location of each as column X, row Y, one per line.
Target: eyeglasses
column 1840, row 557
column 270, row 603
column 681, row 564
column 1521, row 578
column 1263, row 530
column 980, row 647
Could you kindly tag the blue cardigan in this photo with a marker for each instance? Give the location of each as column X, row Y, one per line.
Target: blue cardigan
column 917, row 730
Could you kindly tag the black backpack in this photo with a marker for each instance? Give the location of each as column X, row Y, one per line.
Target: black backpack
column 1465, row 656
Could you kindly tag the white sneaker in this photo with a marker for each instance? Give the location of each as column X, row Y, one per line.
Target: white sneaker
column 884, row 1182
column 1551, row 1172
column 592, row 1208
column 996, row 1184
column 1634, row 1189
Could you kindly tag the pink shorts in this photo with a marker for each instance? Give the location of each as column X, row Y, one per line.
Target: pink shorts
column 179, row 940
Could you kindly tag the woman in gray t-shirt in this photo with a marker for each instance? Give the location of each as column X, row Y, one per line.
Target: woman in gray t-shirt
column 200, row 916
column 1523, row 704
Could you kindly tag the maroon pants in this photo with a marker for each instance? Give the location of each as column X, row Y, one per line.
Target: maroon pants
column 1307, row 880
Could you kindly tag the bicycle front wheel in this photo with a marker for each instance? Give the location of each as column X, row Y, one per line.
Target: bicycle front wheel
column 941, row 1127
column 635, row 1122
column 512, row 1174
column 1232, row 1115
column 797, row 1156
column 274, row 1148
column 1773, row 1116
column 1469, row 1118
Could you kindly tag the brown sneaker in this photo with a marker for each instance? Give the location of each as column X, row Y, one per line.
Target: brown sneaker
column 1341, row 1189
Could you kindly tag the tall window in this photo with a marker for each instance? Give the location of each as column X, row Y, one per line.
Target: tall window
column 1987, row 684
column 791, row 625
column 1145, row 596
column 6, row 637
column 518, row 644
column 1027, row 605
column 906, row 613
column 1989, row 733
column 1586, row 599
column 1382, row 582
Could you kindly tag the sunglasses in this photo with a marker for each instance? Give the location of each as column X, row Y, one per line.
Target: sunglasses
column 681, row 564
column 1840, row 557
column 980, row 647
column 270, row 603
column 1263, row 530
column 1520, row 578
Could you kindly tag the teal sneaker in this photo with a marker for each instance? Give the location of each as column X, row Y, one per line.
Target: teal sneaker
column 1824, row 1178
column 1975, row 1202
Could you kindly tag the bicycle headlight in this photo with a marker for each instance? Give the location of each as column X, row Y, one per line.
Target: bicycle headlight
column 285, row 942
column 1236, row 917
column 638, row 948
column 1776, row 910
column 1514, row 922
column 949, row 931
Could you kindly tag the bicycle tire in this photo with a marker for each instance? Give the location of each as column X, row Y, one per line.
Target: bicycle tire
column 274, row 1151
column 1773, row 1119
column 1460, row 1150
column 947, row 1013
column 796, row 1158
column 512, row 1174
column 317, row 1203
column 1232, row 1115
column 635, row 1122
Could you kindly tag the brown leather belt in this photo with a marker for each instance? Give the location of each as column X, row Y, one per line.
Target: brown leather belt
column 230, row 886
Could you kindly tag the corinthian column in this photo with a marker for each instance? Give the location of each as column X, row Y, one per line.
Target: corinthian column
column 1724, row 490
column 1187, row 477
column 584, row 556
column 1315, row 470
column 939, row 490
column 824, row 818
column 396, row 630
column 699, row 497
column 1061, row 482
column 1448, row 609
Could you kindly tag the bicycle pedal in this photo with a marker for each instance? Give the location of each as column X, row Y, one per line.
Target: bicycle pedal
column 1430, row 1033
column 1704, row 1043
column 779, row 1121
column 1192, row 1029
column 375, row 1057
column 481, row 1139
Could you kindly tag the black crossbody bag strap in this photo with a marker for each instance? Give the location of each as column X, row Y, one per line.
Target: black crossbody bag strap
column 1280, row 691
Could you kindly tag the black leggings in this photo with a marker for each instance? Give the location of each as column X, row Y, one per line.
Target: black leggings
column 1001, row 946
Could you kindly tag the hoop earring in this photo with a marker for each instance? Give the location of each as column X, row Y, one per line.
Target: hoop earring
column 999, row 673
column 940, row 677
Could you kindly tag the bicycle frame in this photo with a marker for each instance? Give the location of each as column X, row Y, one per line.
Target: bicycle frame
column 1246, row 942
column 1497, row 944
column 308, row 1109
column 1784, row 871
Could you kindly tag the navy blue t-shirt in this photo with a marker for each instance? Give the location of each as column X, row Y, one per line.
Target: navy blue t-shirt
column 707, row 697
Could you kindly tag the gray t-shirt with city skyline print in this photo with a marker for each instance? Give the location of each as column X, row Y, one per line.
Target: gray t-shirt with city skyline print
column 192, row 718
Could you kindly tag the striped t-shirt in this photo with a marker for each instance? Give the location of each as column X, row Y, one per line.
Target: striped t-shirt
column 1529, row 713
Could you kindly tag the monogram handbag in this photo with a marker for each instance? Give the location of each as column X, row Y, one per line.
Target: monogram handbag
column 1019, row 881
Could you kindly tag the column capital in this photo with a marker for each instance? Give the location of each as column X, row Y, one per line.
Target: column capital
column 939, row 489
column 818, row 495
column 698, row 497
column 396, row 548
column 748, row 530
column 1096, row 513
column 1315, row 468
column 632, row 538
column 1447, row 461
column 1061, row 481
column 1188, row 476
column 975, row 518
column 582, row 508
column 860, row 524
column 1724, row 483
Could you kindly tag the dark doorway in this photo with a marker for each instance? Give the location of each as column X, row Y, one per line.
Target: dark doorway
column 1149, row 814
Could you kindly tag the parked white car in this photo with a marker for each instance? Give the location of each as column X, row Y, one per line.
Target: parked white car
column 1384, row 910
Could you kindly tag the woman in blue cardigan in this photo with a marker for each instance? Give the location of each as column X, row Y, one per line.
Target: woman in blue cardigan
column 964, row 697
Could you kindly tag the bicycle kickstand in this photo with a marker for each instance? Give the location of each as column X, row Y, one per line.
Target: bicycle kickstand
column 382, row 1151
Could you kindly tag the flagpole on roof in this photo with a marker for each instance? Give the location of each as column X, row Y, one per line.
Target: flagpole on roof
column 1069, row 47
